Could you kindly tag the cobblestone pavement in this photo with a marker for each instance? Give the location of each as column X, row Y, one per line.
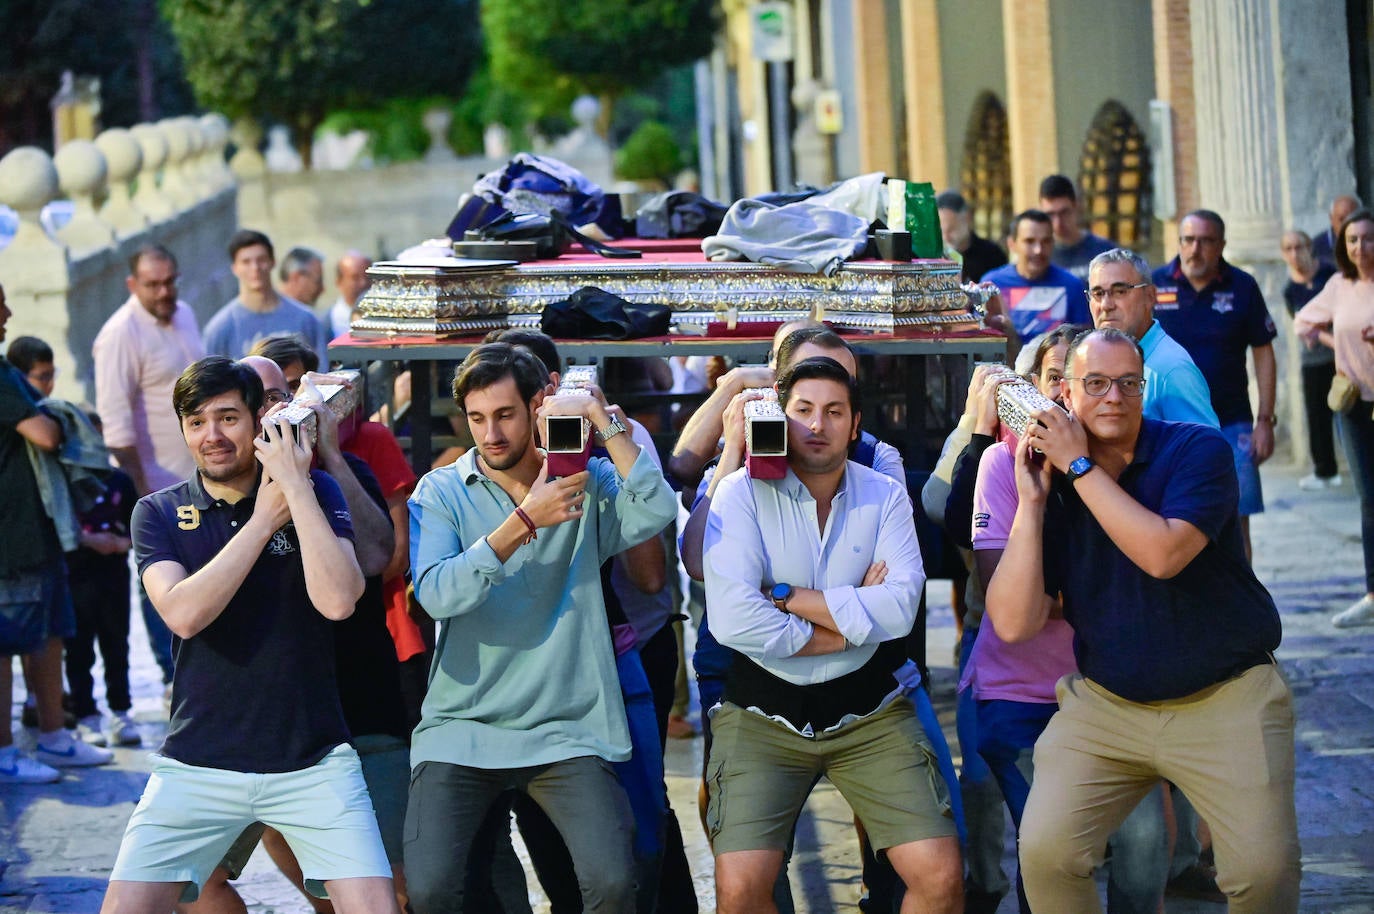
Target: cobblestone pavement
column 58, row 842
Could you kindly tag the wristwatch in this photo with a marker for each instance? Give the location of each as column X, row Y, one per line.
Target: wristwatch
column 780, row 594
column 1079, row 468
column 610, row 431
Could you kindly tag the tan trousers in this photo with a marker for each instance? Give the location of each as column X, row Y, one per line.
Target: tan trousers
column 1229, row 748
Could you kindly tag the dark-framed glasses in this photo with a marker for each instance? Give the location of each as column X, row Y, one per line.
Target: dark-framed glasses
column 1097, row 385
column 1115, row 290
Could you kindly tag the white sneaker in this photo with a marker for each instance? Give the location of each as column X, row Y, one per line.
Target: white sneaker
column 121, row 730
column 91, row 728
column 1361, row 613
column 1333, row 482
column 60, row 750
column 1311, row 483
column 17, row 768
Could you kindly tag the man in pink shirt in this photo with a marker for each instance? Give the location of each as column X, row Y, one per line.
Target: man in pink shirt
column 139, row 353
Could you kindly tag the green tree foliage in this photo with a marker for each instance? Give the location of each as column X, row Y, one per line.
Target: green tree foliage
column 123, row 43
column 295, row 62
column 650, row 154
column 553, row 50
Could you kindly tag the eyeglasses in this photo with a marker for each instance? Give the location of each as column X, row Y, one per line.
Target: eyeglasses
column 274, row 395
column 1115, row 290
column 1097, row 385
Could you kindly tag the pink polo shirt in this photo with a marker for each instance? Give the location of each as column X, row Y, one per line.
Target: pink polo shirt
column 137, row 362
column 996, row 670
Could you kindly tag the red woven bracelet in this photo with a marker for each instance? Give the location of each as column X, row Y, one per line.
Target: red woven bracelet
column 534, row 531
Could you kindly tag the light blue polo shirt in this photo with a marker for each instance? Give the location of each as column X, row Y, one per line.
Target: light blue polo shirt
column 1175, row 390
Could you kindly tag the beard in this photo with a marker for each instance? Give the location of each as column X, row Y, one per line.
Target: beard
column 512, row 457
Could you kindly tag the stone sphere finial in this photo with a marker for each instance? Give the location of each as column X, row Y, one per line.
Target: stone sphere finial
column 585, row 110
column 123, row 156
column 178, row 143
column 28, row 179
column 81, row 168
column 153, row 145
column 216, row 127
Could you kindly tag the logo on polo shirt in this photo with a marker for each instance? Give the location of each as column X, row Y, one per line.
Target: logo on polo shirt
column 1224, row 302
column 280, row 544
column 981, row 520
column 1166, row 298
column 188, row 517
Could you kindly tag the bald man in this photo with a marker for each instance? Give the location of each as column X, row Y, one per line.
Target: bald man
column 1323, row 246
column 351, row 279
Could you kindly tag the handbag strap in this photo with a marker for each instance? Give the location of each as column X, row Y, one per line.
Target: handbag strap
column 591, row 244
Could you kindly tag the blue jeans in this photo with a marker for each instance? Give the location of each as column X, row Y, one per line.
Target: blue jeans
column 159, row 635
column 978, row 792
column 1357, row 438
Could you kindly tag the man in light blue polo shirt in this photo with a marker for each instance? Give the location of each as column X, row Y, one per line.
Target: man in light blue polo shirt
column 1122, row 295
column 523, row 694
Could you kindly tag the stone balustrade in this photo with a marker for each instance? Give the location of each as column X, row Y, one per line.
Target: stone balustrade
column 164, row 183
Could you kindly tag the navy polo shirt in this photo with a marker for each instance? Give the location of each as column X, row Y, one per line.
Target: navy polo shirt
column 1216, row 326
column 1147, row 639
column 255, row 690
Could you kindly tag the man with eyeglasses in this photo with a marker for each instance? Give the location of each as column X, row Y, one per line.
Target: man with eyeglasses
column 1121, row 295
column 1216, row 312
column 139, row 354
column 1174, row 639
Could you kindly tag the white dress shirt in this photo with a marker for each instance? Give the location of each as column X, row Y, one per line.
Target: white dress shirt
column 761, row 532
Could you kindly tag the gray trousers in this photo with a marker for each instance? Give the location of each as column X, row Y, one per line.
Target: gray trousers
column 581, row 796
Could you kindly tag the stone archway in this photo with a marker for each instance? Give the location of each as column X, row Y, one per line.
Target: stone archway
column 985, row 175
column 1114, row 176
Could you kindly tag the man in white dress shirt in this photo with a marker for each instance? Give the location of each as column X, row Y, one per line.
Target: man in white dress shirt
column 815, row 578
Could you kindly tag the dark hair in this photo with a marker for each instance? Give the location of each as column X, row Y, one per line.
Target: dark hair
column 823, row 337
column 1106, row 334
column 212, row 376
column 298, row 259
column 541, row 344
column 26, row 351
column 1027, row 215
column 1056, row 187
column 1062, row 335
column 951, row 200
column 247, row 238
column 152, row 251
column 818, row 368
column 1207, row 215
column 1343, row 261
column 286, row 349
column 490, row 362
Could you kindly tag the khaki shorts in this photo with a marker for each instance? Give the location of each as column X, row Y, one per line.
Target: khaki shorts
column 760, row 773
column 189, row 817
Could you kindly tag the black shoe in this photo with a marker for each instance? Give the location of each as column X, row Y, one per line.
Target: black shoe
column 1197, row 882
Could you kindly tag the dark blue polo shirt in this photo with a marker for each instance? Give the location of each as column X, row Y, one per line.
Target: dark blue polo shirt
column 1217, row 326
column 255, row 690
column 1147, row 639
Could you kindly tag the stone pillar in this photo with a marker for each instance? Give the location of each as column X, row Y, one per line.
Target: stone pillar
column 1174, row 84
column 216, row 127
column 150, row 197
column 1237, row 120
column 1032, row 131
column 925, row 94
column 123, row 159
column 874, row 114
column 81, row 174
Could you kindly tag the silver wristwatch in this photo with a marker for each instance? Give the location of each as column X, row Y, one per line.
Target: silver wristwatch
column 610, row 431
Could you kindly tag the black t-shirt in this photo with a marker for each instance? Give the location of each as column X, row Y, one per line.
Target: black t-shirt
column 27, row 537
column 982, row 255
column 111, row 513
column 365, row 656
column 255, row 690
